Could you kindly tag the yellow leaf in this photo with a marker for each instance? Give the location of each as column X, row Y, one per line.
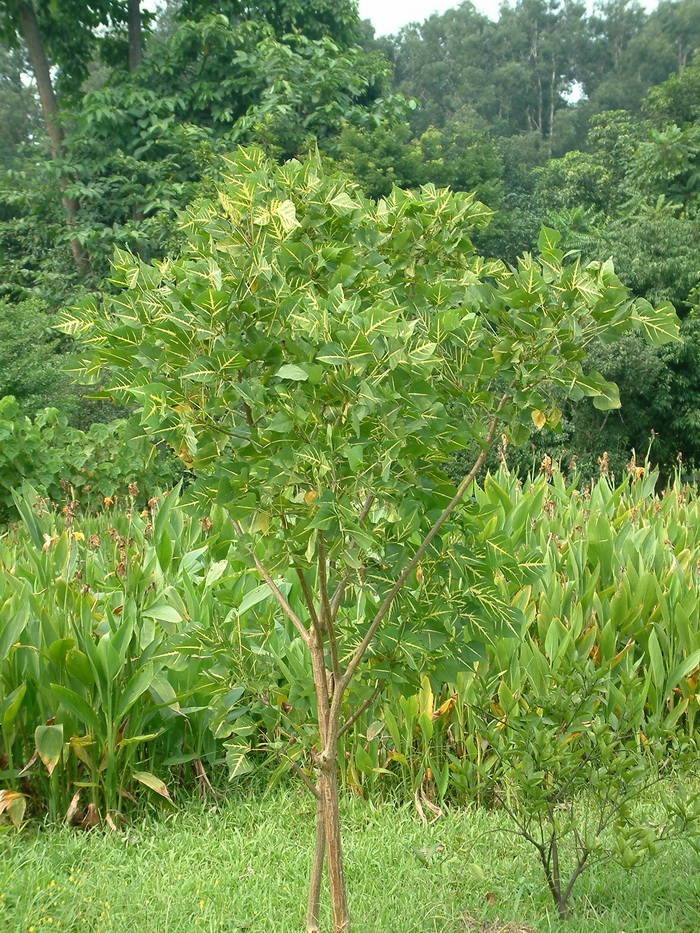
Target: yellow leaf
column 539, row 419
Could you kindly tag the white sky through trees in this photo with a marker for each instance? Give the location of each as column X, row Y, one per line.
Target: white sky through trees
column 388, row 16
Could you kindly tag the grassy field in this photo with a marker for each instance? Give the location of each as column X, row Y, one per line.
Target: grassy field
column 244, row 867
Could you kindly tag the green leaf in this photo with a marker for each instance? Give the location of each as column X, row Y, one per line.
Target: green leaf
column 259, row 595
column 660, row 325
column 548, row 239
column 606, row 395
column 343, row 203
column 49, row 745
column 237, row 760
column 9, row 707
column 137, row 686
column 78, row 706
column 162, row 612
column 12, row 628
column 292, row 372
column 287, row 213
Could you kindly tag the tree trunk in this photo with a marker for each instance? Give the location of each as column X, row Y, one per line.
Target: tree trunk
column 49, row 108
column 334, row 853
column 135, row 41
column 552, row 92
column 313, row 908
column 327, row 809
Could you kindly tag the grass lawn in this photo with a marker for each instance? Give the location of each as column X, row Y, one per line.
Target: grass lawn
column 244, row 867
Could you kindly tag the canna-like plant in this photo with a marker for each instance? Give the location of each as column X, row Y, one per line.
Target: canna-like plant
column 316, row 358
column 93, row 684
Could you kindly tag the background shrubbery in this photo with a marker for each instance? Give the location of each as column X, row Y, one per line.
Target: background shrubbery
column 143, row 639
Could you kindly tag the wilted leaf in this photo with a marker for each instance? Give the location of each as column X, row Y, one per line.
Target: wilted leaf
column 74, row 815
column 374, row 729
column 153, row 782
column 91, row 817
column 14, row 804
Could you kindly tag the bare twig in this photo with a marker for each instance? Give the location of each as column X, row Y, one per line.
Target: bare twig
column 303, row 775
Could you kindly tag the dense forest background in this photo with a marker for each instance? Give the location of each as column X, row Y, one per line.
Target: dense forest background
column 114, row 118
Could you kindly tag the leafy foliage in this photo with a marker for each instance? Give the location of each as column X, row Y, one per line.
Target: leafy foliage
column 571, row 753
column 80, row 468
column 29, row 357
column 184, row 587
column 335, row 19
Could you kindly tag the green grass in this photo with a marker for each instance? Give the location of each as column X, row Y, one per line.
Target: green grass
column 245, row 866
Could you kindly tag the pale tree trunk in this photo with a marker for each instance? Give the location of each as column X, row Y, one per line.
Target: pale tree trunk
column 334, row 849
column 552, row 92
column 49, row 108
column 328, row 839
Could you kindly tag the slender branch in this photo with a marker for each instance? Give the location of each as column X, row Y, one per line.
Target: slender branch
column 304, row 777
column 308, row 598
column 282, row 753
column 326, row 613
column 572, row 880
column 277, row 593
column 323, row 580
column 360, row 710
column 340, row 589
column 391, row 595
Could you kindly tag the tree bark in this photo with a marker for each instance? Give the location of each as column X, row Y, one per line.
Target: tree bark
column 313, row 908
column 334, row 852
column 135, row 39
column 29, row 28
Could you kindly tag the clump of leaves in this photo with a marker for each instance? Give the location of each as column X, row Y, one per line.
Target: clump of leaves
column 82, row 467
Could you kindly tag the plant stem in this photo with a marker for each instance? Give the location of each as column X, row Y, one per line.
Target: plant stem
column 314, row 901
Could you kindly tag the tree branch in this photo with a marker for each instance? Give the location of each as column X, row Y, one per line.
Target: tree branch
column 304, row 777
column 391, row 595
column 308, row 597
column 340, row 589
column 326, row 613
column 277, row 593
column 360, row 710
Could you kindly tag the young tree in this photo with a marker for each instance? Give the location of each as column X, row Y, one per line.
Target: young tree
column 316, row 359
